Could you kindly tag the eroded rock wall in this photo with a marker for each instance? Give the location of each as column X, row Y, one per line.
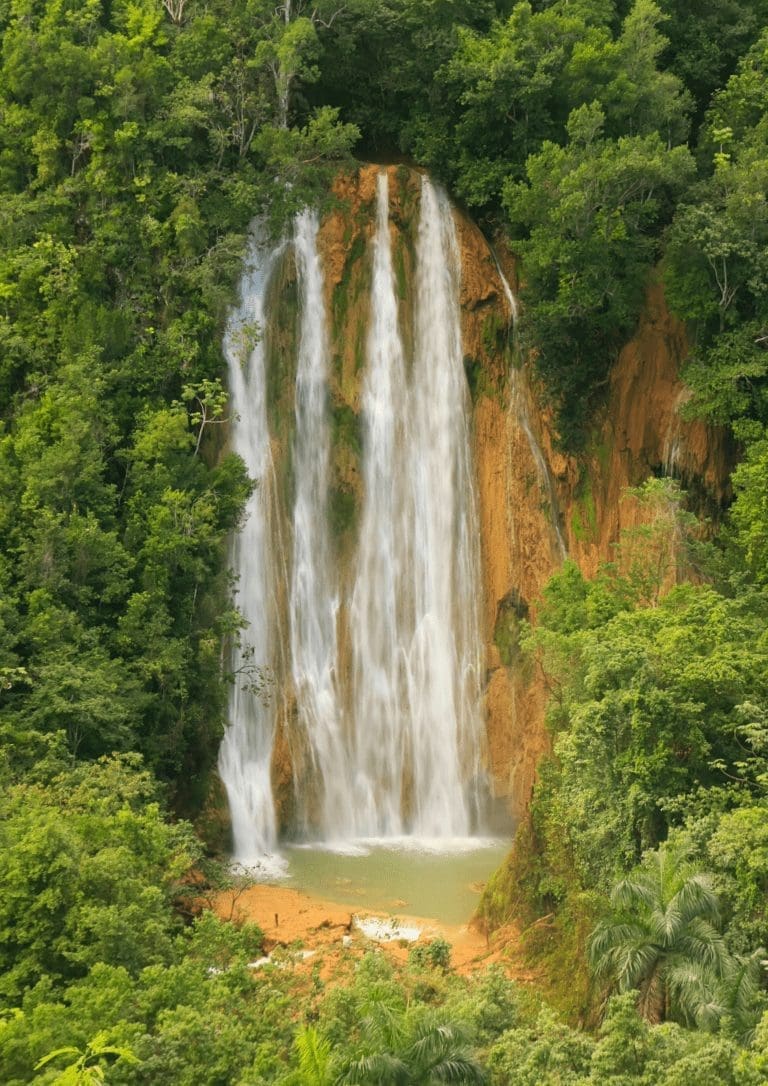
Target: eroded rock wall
column 535, row 504
column 638, row 434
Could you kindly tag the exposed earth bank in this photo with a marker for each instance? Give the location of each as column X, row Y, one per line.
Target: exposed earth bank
column 301, row 930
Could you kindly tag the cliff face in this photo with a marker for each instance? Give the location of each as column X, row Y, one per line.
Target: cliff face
column 639, row 434
column 535, row 504
column 642, row 434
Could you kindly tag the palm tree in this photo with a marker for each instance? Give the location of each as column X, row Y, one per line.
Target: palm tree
column 736, row 996
column 314, row 1057
column 414, row 1051
column 663, row 939
column 87, row 1069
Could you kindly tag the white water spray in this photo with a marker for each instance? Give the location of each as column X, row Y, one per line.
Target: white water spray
column 314, row 594
column 246, row 750
column 394, row 748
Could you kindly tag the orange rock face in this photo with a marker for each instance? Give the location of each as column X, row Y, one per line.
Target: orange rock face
column 639, row 434
column 642, row 434
column 535, row 504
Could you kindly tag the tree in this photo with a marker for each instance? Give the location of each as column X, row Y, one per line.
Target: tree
column 749, row 513
column 663, row 939
column 706, row 39
column 315, row 1060
column 89, row 867
column 716, row 270
column 416, row 1051
column 87, row 1070
column 586, row 222
column 543, row 1053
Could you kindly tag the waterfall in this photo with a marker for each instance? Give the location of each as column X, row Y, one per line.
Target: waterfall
column 674, row 440
column 414, row 611
column 376, row 619
column 388, row 732
column 246, row 750
column 519, row 407
column 314, row 595
column 443, row 653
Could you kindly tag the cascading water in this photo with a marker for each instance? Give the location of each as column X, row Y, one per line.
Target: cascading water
column 390, row 735
column 314, row 594
column 519, row 408
column 246, row 750
column 376, row 619
column 414, row 615
column 442, row 651
column 674, row 441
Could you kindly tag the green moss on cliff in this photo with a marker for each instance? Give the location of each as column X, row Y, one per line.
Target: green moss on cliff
column 584, row 516
column 342, row 510
column 511, row 613
column 346, row 428
column 554, row 927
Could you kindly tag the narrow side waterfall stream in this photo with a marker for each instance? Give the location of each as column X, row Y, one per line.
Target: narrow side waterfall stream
column 246, row 750
column 519, row 409
column 385, row 652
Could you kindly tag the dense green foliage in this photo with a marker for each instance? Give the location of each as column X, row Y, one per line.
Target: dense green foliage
column 134, row 150
column 645, row 845
column 574, row 128
column 608, row 142
column 663, row 940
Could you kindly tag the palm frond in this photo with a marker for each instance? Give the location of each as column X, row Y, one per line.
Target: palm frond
column 376, row 1069
column 68, row 1050
column 665, row 923
column 697, row 898
column 740, row 988
column 606, row 938
column 461, row 1070
column 639, row 963
column 633, row 892
column 696, row 992
column 314, row 1054
column 433, row 1039
column 704, row 943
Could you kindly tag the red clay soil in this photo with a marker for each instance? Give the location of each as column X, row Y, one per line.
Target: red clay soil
column 289, row 917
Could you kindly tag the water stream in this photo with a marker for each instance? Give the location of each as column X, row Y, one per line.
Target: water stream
column 518, row 407
column 674, row 441
column 377, row 619
column 246, row 750
column 390, row 728
column 314, row 594
column 443, row 646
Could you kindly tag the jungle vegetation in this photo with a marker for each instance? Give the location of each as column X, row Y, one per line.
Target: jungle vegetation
column 610, row 143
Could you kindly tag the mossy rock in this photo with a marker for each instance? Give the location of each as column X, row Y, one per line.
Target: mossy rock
column 213, row 825
column 511, row 612
column 584, row 516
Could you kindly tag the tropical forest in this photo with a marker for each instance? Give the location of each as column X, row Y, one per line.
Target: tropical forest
column 384, row 542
